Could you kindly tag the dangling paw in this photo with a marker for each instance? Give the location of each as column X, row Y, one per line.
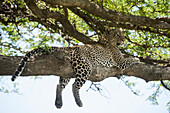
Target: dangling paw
column 58, row 102
column 79, row 103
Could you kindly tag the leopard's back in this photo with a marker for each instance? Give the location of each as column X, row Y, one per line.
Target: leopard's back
column 97, row 55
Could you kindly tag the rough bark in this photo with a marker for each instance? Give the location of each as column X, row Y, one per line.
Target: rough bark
column 57, row 64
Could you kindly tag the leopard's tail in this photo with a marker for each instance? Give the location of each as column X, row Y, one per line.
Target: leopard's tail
column 30, row 54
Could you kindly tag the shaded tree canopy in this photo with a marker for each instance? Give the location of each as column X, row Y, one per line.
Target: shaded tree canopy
column 29, row 24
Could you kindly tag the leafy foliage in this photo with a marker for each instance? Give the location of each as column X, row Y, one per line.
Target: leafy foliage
column 153, row 97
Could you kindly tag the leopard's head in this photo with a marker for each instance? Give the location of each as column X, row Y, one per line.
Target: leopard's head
column 113, row 36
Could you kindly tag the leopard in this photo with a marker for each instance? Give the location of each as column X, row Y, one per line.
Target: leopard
column 82, row 58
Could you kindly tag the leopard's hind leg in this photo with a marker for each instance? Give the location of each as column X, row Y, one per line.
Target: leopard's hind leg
column 62, row 83
column 83, row 70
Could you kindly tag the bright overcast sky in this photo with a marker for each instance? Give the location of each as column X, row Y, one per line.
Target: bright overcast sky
column 38, row 96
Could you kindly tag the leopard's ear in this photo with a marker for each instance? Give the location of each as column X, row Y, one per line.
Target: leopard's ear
column 118, row 29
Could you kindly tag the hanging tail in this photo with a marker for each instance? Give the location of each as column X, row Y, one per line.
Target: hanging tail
column 35, row 52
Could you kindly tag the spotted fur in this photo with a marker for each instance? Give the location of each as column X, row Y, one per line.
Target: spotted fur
column 82, row 59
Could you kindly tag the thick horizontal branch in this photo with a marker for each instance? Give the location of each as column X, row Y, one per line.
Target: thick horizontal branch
column 57, row 64
column 107, row 14
column 147, row 60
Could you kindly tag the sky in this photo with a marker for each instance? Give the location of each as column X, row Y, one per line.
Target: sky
column 38, row 96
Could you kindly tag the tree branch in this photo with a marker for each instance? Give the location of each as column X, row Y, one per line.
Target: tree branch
column 43, row 13
column 104, row 13
column 135, row 27
column 93, row 23
column 100, row 24
column 57, row 64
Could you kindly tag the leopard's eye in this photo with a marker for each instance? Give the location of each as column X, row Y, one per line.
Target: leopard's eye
column 117, row 44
